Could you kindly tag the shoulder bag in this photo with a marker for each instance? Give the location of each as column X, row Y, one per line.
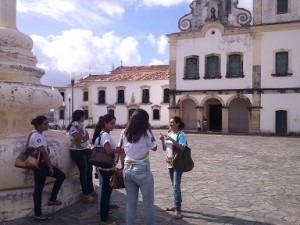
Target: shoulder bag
column 182, row 160
column 29, row 158
column 100, row 158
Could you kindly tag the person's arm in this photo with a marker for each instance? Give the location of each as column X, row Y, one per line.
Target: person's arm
column 86, row 137
column 175, row 143
column 162, row 138
column 45, row 156
column 110, row 150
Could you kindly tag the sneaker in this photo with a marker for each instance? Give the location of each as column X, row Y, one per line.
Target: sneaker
column 109, row 221
column 177, row 214
column 42, row 217
column 88, row 199
column 56, row 202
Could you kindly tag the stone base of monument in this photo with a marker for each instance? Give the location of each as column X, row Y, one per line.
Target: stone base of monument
column 19, row 203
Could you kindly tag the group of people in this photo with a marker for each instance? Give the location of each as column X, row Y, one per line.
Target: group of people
column 133, row 149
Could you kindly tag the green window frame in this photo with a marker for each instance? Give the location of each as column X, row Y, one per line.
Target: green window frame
column 235, row 66
column 145, row 96
column 101, row 97
column 121, row 98
column 111, row 112
column 85, row 96
column 191, row 69
column 282, row 6
column 212, row 67
column 166, row 98
column 282, row 62
column 62, row 114
column 156, row 114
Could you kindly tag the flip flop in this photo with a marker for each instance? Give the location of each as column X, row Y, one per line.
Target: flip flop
column 170, row 209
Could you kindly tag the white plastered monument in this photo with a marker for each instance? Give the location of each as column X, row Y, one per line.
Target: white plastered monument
column 22, row 97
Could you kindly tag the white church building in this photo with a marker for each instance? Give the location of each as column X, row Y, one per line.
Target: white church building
column 124, row 90
column 241, row 73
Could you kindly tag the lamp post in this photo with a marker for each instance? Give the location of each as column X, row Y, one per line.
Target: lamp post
column 64, row 107
column 69, row 98
column 72, row 77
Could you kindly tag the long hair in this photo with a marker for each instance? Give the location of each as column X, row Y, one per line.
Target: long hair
column 137, row 126
column 37, row 121
column 101, row 124
column 178, row 121
column 77, row 114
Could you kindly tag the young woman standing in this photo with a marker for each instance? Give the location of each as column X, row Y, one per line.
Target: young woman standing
column 175, row 138
column 80, row 153
column 38, row 141
column 106, row 125
column 137, row 140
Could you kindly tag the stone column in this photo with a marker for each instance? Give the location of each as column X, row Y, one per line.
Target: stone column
column 225, row 113
column 23, row 97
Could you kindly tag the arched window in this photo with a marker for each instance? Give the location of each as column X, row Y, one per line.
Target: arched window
column 101, row 97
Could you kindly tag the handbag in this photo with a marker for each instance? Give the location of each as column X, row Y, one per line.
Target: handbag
column 29, row 158
column 182, row 160
column 100, row 158
column 116, row 181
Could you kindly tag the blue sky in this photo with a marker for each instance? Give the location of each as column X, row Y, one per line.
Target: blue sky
column 89, row 36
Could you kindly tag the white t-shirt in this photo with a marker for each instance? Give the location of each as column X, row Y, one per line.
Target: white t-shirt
column 37, row 140
column 75, row 129
column 138, row 153
column 106, row 137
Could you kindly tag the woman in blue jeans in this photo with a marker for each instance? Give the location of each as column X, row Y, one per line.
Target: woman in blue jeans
column 137, row 140
column 176, row 137
column 37, row 140
column 80, row 154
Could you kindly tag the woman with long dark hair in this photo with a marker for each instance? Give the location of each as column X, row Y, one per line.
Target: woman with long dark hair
column 102, row 138
column 46, row 168
column 177, row 138
column 81, row 153
column 137, row 139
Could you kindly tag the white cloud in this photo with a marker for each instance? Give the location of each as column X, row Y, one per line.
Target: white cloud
column 158, row 62
column 77, row 50
column 74, row 12
column 161, row 43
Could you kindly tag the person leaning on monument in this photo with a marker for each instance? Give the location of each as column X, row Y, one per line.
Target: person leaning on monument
column 46, row 168
column 177, row 138
column 80, row 154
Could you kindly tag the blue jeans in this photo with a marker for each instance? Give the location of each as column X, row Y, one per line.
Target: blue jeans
column 175, row 177
column 81, row 159
column 139, row 177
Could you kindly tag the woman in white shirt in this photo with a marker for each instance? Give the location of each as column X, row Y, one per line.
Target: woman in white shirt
column 105, row 125
column 46, row 168
column 137, row 140
column 80, row 154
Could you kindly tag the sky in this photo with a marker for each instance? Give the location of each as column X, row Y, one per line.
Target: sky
column 91, row 36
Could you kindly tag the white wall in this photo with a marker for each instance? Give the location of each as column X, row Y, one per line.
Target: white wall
column 283, row 41
column 214, row 44
column 269, row 9
column 273, row 102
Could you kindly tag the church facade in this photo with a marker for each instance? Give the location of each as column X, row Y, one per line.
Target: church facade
column 238, row 70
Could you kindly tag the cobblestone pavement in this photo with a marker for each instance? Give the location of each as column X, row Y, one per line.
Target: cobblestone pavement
column 238, row 180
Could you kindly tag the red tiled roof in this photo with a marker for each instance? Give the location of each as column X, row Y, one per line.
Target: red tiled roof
column 129, row 73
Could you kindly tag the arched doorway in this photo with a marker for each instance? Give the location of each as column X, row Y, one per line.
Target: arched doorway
column 238, row 120
column 281, row 122
column 213, row 108
column 189, row 114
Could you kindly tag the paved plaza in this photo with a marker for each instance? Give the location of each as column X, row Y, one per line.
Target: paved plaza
column 237, row 180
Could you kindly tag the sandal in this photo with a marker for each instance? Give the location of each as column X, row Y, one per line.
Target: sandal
column 170, row 209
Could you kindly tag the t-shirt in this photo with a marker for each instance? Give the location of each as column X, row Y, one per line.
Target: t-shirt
column 169, row 147
column 138, row 153
column 75, row 129
column 37, row 140
column 106, row 138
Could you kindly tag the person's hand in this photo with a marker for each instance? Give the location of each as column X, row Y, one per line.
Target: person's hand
column 162, row 137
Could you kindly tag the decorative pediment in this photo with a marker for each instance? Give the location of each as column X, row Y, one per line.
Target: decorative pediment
column 204, row 11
